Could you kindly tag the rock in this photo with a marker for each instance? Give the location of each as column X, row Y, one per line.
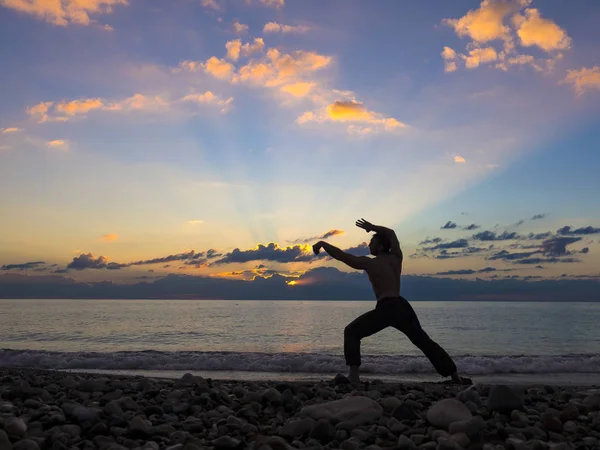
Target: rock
column 405, row 443
column 418, row 439
column 447, row 411
column 93, row 385
column 551, row 421
column 297, row 427
column 536, row 444
column 447, row 444
column 515, row 444
column 272, row 395
column 351, row 444
column 469, row 395
column 504, row 399
column 570, row 412
column 341, row 379
column 471, row 427
column 461, row 439
column 128, row 404
column 192, row 379
column 390, row 403
column 113, row 408
column 15, row 426
column 225, row 443
column 139, row 426
column 353, row 411
column 405, row 412
column 100, row 428
column 323, row 431
column 271, row 443
column 152, row 410
column 428, row 446
column 72, row 430
column 4, row 441
column 84, row 414
column 592, row 401
column 26, row 444
column 589, row 441
column 395, row 426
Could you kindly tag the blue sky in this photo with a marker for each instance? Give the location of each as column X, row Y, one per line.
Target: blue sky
column 133, row 130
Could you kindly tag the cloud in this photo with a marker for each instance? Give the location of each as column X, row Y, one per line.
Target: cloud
column 449, row 226
column 196, row 222
column 492, row 236
column 234, row 49
column 361, row 249
column 459, row 243
column 449, row 56
column 468, row 271
column 208, row 98
column 300, row 89
column 240, row 28
column 546, row 260
column 479, row 56
column 67, row 110
column 274, row 27
column 352, row 111
column 272, row 3
column 219, row 68
column 110, row 237
column 537, row 236
column 505, row 255
column 58, row 144
column 9, row 130
column 538, row 216
column 63, row 12
column 212, row 4
column 330, row 233
column 269, row 252
column 583, row 79
column 532, row 30
column 557, row 246
column 212, row 253
column 568, row 231
column 87, row 261
column 24, row 266
column 186, row 256
column 459, row 159
column 471, row 227
column 430, row 241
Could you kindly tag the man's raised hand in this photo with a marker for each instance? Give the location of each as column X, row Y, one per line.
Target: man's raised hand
column 362, row 223
column 317, row 247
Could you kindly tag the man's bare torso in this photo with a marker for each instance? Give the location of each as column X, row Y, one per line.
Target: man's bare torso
column 384, row 274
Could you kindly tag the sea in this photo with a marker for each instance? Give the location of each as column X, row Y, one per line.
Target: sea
column 508, row 342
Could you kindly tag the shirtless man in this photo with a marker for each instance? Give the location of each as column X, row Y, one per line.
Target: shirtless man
column 392, row 310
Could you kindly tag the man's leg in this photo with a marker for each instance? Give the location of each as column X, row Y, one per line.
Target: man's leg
column 408, row 322
column 365, row 325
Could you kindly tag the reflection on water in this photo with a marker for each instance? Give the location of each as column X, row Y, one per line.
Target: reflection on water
column 485, row 328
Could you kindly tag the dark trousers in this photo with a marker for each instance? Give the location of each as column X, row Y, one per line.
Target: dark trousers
column 398, row 313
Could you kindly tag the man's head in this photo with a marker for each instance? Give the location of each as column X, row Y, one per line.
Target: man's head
column 379, row 244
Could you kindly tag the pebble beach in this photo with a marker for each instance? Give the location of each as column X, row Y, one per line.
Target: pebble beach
column 60, row 410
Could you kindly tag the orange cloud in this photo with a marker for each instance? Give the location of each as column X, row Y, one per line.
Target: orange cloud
column 63, row 12
column 40, row 111
column 212, row 4
column 109, row 237
column 459, row 159
column 234, row 49
column 217, row 67
column 58, row 144
column 301, row 89
column 209, row 98
column 240, row 28
column 10, row 130
column 479, row 56
column 583, row 79
column 273, row 3
column 196, row 222
column 79, row 106
column 449, row 56
column 532, row 30
column 353, row 112
column 274, row 27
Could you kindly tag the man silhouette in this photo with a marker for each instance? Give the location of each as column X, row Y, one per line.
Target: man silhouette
column 392, row 310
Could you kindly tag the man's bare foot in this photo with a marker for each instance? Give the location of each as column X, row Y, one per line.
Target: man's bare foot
column 456, row 378
column 353, row 375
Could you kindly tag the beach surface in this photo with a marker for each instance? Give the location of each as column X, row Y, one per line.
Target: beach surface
column 45, row 409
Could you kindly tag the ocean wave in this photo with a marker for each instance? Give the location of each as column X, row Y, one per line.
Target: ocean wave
column 290, row 362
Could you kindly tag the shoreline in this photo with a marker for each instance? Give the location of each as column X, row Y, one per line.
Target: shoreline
column 50, row 409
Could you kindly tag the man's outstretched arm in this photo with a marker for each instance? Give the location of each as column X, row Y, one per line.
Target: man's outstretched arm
column 391, row 235
column 356, row 262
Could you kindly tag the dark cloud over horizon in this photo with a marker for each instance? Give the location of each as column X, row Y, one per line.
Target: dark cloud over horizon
column 472, row 227
column 326, row 235
column 492, row 236
column 449, row 226
column 269, row 252
column 568, row 231
column 538, row 216
column 23, row 266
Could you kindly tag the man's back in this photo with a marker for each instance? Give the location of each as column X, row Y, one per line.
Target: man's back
column 384, row 274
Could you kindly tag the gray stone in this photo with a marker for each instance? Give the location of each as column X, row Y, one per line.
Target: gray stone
column 323, row 431
column 113, row 408
column 551, row 421
column 592, row 401
column 515, row 444
column 271, row 443
column 469, row 395
column 350, row 410
column 139, row 426
column 225, row 443
column 461, row 439
column 297, row 427
column 351, row 444
column 405, row 443
column 418, row 439
column 26, row 444
column 390, row 403
column 272, row 395
column 395, row 426
column 471, row 427
column 15, row 426
column 84, row 414
column 504, row 399
column 536, row 444
column 447, row 444
column 570, row 412
column 447, row 411
column 428, row 446
column 72, row 430
column 128, row 404
column 405, row 411
column 4, row 441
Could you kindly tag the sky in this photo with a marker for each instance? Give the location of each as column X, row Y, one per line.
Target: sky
column 216, row 140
